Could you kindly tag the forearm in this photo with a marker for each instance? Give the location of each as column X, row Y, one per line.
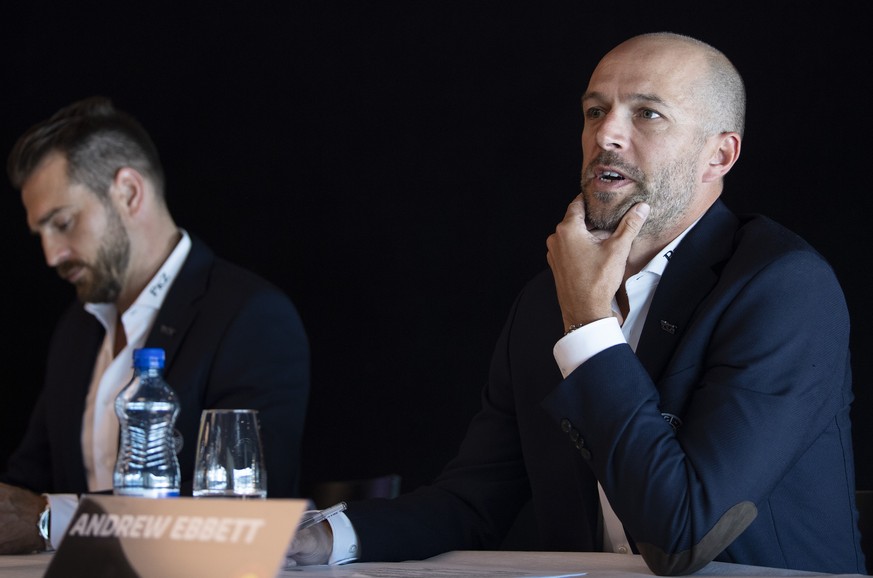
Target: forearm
column 754, row 384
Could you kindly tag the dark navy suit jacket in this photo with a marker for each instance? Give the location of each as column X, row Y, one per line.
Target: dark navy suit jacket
column 746, row 343
column 232, row 340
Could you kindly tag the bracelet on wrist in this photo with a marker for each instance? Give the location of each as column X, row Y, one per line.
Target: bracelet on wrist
column 573, row 328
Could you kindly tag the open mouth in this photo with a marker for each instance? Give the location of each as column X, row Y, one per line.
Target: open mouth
column 610, row 176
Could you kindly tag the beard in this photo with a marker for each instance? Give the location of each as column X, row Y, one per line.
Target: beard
column 668, row 191
column 103, row 280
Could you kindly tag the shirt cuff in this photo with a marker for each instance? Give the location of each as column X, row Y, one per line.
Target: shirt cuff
column 345, row 540
column 62, row 506
column 580, row 345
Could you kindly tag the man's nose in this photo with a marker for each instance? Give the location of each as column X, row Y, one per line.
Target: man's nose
column 612, row 132
column 55, row 251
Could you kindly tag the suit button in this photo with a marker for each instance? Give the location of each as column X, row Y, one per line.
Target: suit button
column 566, row 426
column 574, row 435
column 585, row 453
column 580, row 443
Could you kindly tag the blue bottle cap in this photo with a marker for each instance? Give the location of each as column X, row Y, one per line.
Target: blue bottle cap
column 148, row 358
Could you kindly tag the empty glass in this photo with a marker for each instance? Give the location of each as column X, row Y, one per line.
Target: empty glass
column 230, row 459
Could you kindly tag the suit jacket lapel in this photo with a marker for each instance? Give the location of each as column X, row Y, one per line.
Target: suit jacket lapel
column 178, row 310
column 689, row 277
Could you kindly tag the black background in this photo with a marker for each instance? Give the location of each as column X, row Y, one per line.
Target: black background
column 397, row 167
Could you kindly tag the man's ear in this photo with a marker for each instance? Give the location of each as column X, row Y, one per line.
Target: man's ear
column 726, row 151
column 128, row 190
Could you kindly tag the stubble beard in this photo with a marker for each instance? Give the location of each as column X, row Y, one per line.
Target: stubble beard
column 103, row 280
column 668, row 192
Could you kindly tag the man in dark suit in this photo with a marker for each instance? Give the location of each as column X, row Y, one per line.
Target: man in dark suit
column 678, row 384
column 93, row 189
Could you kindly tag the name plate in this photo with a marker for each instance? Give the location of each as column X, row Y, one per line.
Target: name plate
column 123, row 537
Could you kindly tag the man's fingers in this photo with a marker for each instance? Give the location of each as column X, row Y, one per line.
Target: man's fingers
column 632, row 222
column 311, row 545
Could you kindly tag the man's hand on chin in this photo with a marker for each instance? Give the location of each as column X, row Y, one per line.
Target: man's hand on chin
column 589, row 266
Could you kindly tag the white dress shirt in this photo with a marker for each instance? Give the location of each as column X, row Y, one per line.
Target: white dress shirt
column 111, row 374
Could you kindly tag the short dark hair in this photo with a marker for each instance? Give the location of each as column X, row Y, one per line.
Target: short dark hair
column 97, row 140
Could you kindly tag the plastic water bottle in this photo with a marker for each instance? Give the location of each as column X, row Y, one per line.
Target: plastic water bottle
column 147, row 408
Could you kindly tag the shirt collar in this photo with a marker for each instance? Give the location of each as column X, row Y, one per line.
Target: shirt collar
column 155, row 291
column 659, row 262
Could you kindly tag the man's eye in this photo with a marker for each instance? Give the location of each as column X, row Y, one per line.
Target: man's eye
column 649, row 114
column 593, row 113
column 63, row 225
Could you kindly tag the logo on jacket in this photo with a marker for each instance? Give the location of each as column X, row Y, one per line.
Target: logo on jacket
column 673, row 420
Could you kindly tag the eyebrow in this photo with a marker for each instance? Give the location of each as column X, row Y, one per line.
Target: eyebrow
column 633, row 97
column 47, row 217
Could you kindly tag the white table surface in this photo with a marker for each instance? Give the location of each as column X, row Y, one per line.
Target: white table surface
column 463, row 565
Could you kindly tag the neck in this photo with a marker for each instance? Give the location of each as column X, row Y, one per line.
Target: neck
column 643, row 250
column 646, row 246
column 156, row 251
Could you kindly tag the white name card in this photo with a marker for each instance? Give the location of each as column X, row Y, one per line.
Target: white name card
column 125, row 537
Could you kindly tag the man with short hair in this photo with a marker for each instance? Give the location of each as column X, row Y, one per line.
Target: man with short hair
column 93, row 190
column 678, row 384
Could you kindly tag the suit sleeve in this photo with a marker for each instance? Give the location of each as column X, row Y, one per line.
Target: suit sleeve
column 49, row 457
column 770, row 379
column 262, row 363
column 30, row 465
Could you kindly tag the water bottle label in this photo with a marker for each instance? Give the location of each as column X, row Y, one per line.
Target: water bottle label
column 147, row 492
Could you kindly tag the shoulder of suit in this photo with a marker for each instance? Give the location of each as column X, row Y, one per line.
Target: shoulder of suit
column 767, row 237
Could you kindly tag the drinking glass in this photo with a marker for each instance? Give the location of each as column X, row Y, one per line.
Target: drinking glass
column 230, row 460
